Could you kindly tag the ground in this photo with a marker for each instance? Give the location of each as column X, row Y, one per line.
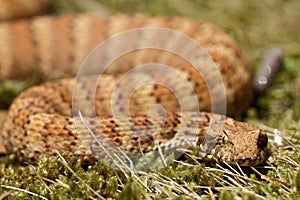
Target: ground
column 257, row 26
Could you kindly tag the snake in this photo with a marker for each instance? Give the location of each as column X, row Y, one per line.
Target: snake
column 41, row 119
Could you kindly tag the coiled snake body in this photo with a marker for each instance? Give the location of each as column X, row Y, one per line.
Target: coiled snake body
column 40, row 120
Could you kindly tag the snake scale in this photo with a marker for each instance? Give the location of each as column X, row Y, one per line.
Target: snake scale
column 40, row 120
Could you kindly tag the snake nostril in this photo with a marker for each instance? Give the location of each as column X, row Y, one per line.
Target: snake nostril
column 262, row 141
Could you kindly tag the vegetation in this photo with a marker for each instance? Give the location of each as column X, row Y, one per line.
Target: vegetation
column 257, row 26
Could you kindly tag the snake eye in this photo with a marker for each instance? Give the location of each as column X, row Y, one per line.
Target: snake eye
column 224, row 139
column 224, row 136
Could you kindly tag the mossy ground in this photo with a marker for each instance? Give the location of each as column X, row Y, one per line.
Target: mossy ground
column 257, row 26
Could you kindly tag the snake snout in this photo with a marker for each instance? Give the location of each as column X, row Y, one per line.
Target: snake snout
column 240, row 143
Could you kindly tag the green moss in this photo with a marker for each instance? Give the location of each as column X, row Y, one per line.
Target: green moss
column 8, row 91
column 131, row 191
column 51, row 179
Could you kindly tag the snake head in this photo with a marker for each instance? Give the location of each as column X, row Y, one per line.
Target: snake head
column 236, row 143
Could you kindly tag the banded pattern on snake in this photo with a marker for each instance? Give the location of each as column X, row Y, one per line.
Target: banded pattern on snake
column 40, row 119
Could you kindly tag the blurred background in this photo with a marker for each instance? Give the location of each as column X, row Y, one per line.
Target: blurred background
column 256, row 25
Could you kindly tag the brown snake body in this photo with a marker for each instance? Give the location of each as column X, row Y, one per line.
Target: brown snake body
column 40, row 120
